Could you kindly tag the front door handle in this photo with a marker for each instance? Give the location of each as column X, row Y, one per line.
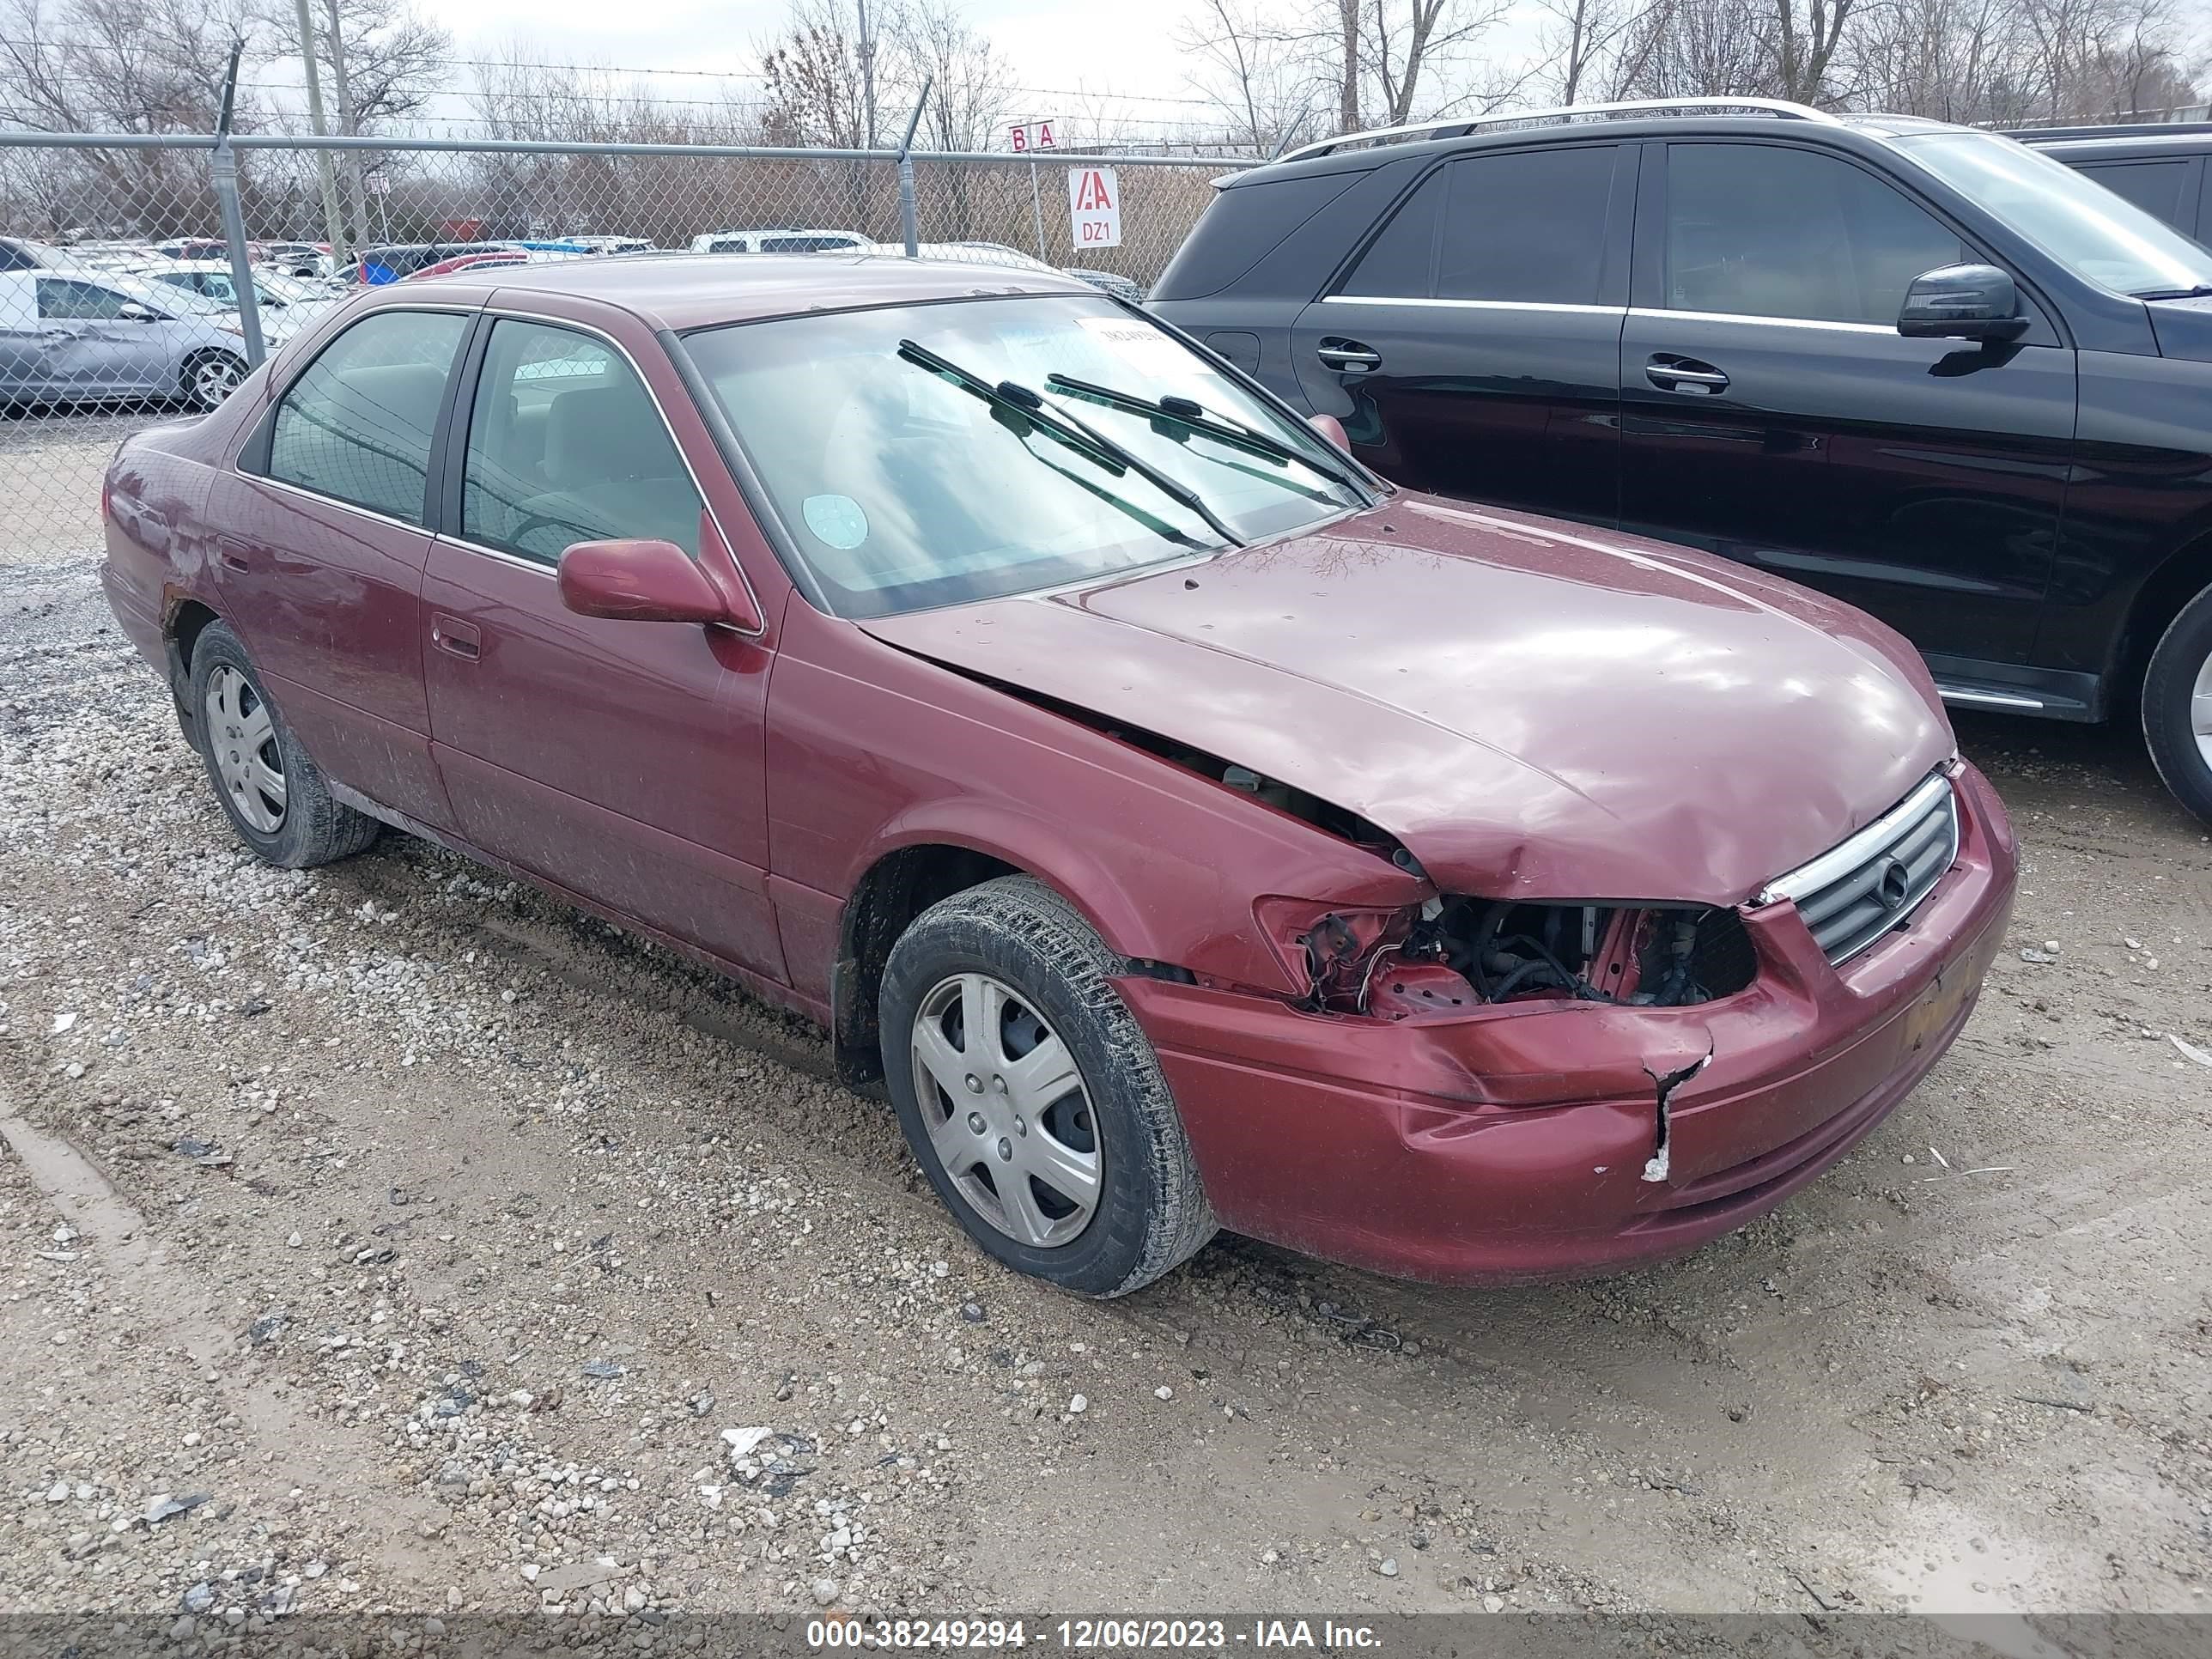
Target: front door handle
column 455, row 637
column 1348, row 356
column 1686, row 375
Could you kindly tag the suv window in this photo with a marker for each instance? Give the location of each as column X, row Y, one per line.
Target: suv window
column 80, row 302
column 356, row 425
column 1757, row 230
column 2155, row 186
column 565, row 445
column 1525, row 225
column 804, row 244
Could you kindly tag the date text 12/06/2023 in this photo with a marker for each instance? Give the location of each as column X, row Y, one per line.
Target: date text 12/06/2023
column 1093, row 1635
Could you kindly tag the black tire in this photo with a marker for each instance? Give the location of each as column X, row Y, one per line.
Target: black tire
column 2169, row 690
column 312, row 828
column 194, row 382
column 1151, row 1214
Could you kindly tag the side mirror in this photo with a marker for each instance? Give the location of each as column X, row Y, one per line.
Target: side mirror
column 1962, row 302
column 645, row 582
column 132, row 312
column 1331, row 429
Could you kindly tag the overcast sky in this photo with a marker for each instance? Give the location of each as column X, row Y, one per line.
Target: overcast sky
column 1125, row 49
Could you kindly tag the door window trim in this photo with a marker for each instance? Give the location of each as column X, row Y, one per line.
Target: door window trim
column 251, row 459
column 1648, row 273
column 1559, row 306
column 451, row 456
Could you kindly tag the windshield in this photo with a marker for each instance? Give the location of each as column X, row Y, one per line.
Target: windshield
column 926, row 455
column 2086, row 227
column 165, row 296
column 289, row 290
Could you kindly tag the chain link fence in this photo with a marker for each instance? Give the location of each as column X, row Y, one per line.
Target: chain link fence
column 119, row 288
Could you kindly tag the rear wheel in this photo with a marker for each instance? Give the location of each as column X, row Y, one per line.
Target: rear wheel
column 273, row 793
column 1034, row 1103
column 209, row 377
column 2177, row 705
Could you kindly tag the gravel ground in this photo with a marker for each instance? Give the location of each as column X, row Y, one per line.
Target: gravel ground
column 388, row 1236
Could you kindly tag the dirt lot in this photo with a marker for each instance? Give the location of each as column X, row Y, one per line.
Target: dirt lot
column 440, row 1239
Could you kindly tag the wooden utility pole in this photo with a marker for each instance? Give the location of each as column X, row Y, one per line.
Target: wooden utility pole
column 349, row 122
column 333, row 221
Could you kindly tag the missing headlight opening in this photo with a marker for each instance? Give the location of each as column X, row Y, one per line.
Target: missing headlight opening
column 1499, row 951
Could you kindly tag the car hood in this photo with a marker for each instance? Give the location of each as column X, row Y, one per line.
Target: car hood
column 1535, row 709
column 2182, row 328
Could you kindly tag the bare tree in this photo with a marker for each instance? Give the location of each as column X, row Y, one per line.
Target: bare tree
column 971, row 85
column 1264, row 86
column 1578, row 42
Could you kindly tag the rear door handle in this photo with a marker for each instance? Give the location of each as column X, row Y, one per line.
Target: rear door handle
column 1686, row 375
column 455, row 637
column 232, row 554
column 1348, row 356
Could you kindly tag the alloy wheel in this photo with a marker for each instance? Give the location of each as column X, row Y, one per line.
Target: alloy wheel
column 214, row 379
column 1005, row 1109
column 241, row 734
column 2200, row 710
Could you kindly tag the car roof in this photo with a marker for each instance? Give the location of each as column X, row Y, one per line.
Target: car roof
column 1356, row 155
column 2122, row 143
column 692, row 290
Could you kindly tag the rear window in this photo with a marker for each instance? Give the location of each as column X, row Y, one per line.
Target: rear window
column 1243, row 225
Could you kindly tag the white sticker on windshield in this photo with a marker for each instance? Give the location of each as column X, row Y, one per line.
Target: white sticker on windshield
column 837, row 520
column 1137, row 343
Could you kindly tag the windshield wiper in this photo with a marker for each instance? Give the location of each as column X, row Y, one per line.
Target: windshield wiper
column 2199, row 292
column 1190, row 415
column 1075, row 433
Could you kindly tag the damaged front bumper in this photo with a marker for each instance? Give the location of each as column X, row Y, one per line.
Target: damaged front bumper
column 1530, row 1141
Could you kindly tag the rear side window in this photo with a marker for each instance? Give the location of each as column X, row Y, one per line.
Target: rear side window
column 566, row 446
column 1526, row 226
column 357, row 426
column 1757, row 230
column 2159, row 188
column 1243, row 225
column 83, row 302
column 803, row 243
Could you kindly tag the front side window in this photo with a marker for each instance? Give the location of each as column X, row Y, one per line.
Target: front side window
column 357, row 425
column 79, row 302
column 937, row 454
column 1764, row 230
column 2074, row 220
column 566, row 446
column 1525, row 227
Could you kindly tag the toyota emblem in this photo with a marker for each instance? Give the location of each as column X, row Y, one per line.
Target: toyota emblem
column 1894, row 883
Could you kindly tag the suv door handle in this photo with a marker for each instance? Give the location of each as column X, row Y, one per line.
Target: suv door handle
column 1684, row 374
column 1348, row 356
column 455, row 637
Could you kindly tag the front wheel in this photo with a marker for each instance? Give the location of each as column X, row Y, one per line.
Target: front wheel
column 1032, row 1101
column 2177, row 705
column 209, row 377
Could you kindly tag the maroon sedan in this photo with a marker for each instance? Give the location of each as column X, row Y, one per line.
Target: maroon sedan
column 1186, row 830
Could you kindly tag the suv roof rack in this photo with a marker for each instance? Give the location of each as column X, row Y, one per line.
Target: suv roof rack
column 1460, row 126
column 2128, row 130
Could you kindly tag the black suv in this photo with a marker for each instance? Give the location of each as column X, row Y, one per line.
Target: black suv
column 1925, row 368
column 2160, row 168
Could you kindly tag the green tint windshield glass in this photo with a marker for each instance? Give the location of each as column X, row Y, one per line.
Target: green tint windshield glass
column 2076, row 220
column 902, row 488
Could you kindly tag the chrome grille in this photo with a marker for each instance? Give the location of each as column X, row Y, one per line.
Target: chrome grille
column 1856, row 891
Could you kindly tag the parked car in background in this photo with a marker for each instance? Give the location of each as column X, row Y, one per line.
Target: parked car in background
column 505, row 256
column 776, row 240
column 96, row 337
column 2160, row 168
column 604, row 245
column 1109, row 282
column 18, row 254
column 1183, row 828
column 1929, row 370
column 389, row 263
column 286, row 302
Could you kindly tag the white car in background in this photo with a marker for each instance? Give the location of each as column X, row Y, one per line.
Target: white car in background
column 88, row 336
column 780, row 239
column 287, row 303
